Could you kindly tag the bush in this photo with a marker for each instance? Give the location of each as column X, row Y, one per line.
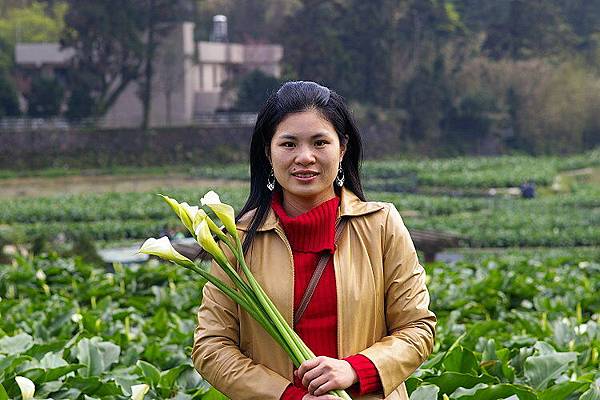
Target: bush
column 254, row 89
column 45, row 98
column 9, row 103
column 80, row 104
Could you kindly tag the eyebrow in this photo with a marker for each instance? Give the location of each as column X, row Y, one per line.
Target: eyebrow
column 292, row 136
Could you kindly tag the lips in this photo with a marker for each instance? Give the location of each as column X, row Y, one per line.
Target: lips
column 305, row 174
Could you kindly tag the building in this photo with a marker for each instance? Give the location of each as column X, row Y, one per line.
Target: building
column 190, row 78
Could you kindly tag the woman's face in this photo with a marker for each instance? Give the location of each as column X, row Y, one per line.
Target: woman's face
column 305, row 152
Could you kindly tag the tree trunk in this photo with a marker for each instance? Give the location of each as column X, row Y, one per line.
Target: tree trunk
column 148, row 70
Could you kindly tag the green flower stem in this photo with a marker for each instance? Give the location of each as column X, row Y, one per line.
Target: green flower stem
column 269, row 307
column 304, row 350
column 234, row 276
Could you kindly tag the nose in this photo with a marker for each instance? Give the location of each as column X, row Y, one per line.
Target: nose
column 305, row 155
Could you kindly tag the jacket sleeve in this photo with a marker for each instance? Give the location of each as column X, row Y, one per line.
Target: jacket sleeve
column 410, row 323
column 216, row 353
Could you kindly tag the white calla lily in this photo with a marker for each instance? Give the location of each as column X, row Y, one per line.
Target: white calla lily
column 26, row 386
column 191, row 211
column 139, row 391
column 224, row 211
column 208, row 243
column 162, row 248
column 199, row 217
column 184, row 211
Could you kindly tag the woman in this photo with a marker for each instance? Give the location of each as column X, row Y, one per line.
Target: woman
column 367, row 317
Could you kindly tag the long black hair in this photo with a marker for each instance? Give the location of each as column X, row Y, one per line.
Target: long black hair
column 295, row 97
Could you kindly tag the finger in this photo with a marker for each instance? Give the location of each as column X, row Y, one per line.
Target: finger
column 324, row 388
column 307, row 365
column 316, row 384
column 312, row 375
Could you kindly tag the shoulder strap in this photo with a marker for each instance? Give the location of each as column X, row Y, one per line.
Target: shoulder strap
column 316, row 277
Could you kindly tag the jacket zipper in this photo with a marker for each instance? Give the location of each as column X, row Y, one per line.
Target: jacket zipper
column 337, row 294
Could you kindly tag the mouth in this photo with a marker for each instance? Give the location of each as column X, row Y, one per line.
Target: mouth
column 305, row 176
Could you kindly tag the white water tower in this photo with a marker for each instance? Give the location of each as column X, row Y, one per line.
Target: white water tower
column 219, row 29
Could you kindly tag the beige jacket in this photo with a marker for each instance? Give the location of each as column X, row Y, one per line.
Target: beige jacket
column 382, row 305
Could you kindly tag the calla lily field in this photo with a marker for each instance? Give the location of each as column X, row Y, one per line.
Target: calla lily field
column 518, row 307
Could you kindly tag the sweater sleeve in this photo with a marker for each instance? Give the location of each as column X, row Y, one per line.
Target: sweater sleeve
column 368, row 377
column 293, row 393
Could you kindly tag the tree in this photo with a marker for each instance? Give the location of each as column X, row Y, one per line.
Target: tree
column 9, row 103
column 108, row 47
column 80, row 104
column 312, row 43
column 529, row 28
column 115, row 45
column 254, row 89
column 159, row 19
column 368, row 36
column 32, row 23
column 45, row 98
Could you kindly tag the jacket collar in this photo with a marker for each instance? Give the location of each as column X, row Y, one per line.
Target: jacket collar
column 350, row 206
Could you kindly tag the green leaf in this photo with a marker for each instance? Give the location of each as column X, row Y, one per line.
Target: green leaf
column 561, row 391
column 461, row 392
column 425, row 392
column 97, row 355
column 432, row 362
column 486, row 392
column 168, row 378
column 461, row 360
column 39, row 350
column 190, row 379
column 15, row 344
column 542, row 369
column 89, row 355
column 93, row 386
column 448, row 382
column 593, row 393
column 3, row 394
column 110, row 353
column 51, row 360
column 214, row 394
column 53, row 374
column 35, row 374
column 412, row 383
column 150, row 372
column 12, row 362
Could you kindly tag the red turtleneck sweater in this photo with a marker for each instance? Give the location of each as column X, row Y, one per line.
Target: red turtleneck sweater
column 309, row 235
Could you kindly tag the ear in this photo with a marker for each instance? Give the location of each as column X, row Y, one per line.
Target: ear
column 268, row 154
column 343, row 146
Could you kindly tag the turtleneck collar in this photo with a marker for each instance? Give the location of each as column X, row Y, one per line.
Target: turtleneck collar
column 313, row 231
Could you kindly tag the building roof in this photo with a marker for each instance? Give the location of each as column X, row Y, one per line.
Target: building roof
column 41, row 54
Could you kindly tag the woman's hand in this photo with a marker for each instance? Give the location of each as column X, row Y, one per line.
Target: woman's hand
column 322, row 374
column 325, row 397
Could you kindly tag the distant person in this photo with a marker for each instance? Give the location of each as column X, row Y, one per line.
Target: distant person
column 368, row 318
column 528, row 190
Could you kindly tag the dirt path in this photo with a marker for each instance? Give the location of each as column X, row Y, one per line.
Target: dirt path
column 42, row 187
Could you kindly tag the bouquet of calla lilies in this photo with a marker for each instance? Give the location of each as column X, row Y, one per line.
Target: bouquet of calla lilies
column 247, row 293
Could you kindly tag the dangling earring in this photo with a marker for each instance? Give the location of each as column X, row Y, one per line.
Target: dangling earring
column 271, row 181
column 339, row 179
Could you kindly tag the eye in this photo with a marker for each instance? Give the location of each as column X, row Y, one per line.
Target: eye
column 288, row 144
column 320, row 143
